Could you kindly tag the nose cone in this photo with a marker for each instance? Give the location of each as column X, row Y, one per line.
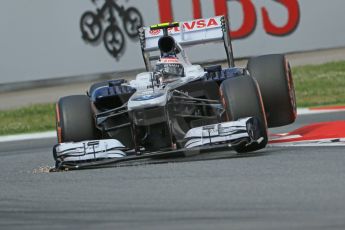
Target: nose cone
column 147, row 99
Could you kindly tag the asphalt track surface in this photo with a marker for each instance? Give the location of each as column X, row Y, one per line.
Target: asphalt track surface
column 277, row 188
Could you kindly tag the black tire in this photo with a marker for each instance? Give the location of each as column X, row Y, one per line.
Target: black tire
column 273, row 74
column 74, row 119
column 241, row 98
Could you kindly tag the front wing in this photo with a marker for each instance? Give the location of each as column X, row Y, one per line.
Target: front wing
column 97, row 153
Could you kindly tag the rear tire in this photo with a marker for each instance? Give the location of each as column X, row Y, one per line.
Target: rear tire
column 241, row 98
column 74, row 119
column 273, row 74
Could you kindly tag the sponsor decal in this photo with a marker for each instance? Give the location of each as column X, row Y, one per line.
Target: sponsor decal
column 190, row 26
column 147, row 97
column 169, row 60
column 251, row 15
column 103, row 24
column 199, row 24
column 155, row 32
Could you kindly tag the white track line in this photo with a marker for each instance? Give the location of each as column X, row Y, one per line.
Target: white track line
column 52, row 134
column 29, row 136
column 306, row 111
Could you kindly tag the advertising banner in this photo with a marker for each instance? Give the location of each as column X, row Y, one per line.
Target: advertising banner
column 48, row 39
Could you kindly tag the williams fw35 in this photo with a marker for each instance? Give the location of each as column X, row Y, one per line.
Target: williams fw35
column 176, row 108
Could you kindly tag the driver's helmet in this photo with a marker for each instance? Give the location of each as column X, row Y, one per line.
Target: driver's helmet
column 169, row 69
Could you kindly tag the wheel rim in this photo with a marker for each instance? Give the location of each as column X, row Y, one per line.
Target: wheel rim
column 291, row 89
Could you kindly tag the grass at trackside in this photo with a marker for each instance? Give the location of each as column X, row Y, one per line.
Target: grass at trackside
column 315, row 85
column 35, row 118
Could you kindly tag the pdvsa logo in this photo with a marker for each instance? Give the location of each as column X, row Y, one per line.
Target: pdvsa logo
column 108, row 23
column 198, row 24
column 189, row 26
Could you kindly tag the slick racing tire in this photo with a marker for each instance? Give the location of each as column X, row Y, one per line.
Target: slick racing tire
column 74, row 121
column 241, row 98
column 273, row 74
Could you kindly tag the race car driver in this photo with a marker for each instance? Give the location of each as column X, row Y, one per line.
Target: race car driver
column 168, row 69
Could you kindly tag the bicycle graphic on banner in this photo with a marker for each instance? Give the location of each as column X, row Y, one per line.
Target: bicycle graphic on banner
column 91, row 26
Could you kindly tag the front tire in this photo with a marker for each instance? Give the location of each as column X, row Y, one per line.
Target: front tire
column 273, row 74
column 74, row 119
column 241, row 98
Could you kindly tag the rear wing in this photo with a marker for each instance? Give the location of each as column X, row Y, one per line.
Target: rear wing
column 189, row 33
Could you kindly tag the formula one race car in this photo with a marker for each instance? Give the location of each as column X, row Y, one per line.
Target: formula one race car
column 176, row 108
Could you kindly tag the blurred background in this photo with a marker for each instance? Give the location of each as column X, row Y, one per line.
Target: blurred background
column 42, row 39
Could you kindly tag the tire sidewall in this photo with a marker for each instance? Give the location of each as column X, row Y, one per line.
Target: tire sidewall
column 273, row 74
column 75, row 119
column 241, row 98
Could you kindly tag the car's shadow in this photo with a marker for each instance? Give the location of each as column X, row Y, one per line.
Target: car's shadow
column 212, row 156
column 205, row 156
